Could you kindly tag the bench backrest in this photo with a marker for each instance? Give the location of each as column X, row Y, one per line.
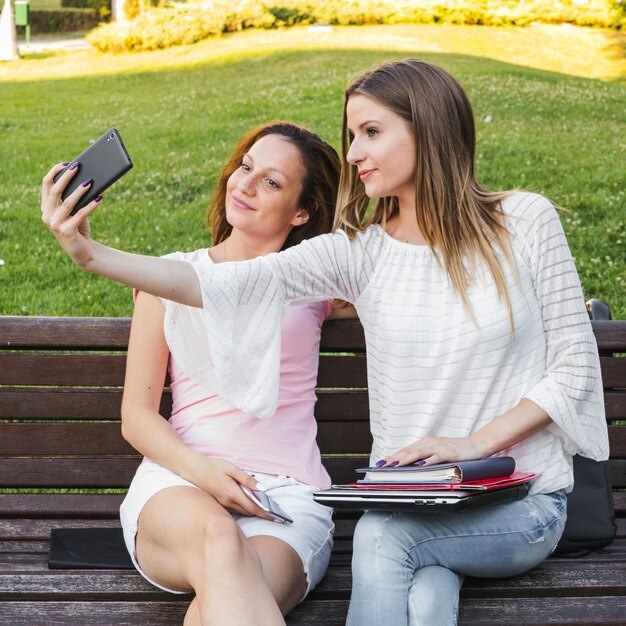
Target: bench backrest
column 61, row 387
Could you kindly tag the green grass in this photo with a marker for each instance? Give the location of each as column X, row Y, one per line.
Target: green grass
column 180, row 112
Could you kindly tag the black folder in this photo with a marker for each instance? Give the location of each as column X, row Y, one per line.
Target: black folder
column 88, row 548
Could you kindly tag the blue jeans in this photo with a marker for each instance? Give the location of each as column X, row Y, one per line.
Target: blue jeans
column 408, row 568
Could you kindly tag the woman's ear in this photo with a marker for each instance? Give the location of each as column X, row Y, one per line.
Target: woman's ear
column 301, row 217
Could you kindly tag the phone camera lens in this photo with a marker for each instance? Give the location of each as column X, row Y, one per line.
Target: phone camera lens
column 111, row 136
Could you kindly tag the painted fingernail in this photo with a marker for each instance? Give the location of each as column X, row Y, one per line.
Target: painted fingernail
column 421, row 463
column 74, row 165
column 395, row 463
column 65, row 163
column 88, row 182
column 98, row 198
column 380, row 463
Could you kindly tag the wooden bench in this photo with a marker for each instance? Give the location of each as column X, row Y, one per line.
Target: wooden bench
column 60, row 392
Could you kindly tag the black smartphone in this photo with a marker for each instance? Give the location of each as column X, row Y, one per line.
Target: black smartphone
column 105, row 161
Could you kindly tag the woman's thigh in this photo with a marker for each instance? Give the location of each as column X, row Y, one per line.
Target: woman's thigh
column 503, row 540
column 170, row 535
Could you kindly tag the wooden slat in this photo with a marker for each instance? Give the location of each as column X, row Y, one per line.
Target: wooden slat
column 78, row 370
column 38, row 529
column 124, row 613
column 101, row 370
column 112, row 333
column 342, row 336
column 615, row 404
column 16, row 507
column 65, row 333
column 617, row 441
column 116, row 472
column 102, row 439
column 81, row 404
column 520, row 612
column 342, row 371
column 613, row 371
column 610, row 335
column 559, row 611
column 95, row 439
column 339, row 405
column 67, row 404
column 618, row 473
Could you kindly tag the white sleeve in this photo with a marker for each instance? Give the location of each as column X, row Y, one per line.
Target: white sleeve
column 232, row 345
column 571, row 390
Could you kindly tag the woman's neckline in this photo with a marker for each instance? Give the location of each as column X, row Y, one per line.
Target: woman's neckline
column 400, row 242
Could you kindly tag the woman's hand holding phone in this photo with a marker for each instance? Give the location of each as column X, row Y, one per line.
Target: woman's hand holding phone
column 71, row 231
column 224, row 481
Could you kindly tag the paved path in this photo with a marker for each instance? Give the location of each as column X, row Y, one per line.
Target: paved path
column 42, row 45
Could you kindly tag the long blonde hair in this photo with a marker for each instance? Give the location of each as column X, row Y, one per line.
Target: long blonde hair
column 459, row 218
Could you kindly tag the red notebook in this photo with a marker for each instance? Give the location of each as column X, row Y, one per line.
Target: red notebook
column 516, row 478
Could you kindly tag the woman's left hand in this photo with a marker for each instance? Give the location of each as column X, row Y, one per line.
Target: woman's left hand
column 431, row 450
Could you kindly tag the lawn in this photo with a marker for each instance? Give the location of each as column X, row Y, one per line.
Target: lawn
column 558, row 128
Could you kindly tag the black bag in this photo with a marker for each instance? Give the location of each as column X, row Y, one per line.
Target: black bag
column 590, row 514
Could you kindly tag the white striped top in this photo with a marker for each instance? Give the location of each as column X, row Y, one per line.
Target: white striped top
column 432, row 369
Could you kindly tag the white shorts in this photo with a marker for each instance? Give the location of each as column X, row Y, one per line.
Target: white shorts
column 310, row 535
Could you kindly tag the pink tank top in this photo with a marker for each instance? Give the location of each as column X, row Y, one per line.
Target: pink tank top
column 283, row 444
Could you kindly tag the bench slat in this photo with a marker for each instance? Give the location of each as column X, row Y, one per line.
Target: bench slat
column 610, row 335
column 24, row 575
column 86, row 613
column 116, row 472
column 67, row 333
column 599, row 610
column 613, row 371
column 45, row 505
column 102, row 439
column 102, row 370
column 83, row 404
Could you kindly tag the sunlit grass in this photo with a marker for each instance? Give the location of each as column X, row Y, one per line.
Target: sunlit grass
column 180, row 112
column 591, row 53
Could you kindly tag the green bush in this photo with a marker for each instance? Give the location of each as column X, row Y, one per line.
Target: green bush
column 188, row 22
column 103, row 7
column 62, row 20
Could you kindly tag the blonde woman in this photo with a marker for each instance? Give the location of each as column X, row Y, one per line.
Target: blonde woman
column 477, row 335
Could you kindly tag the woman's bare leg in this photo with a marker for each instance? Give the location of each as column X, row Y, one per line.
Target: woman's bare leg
column 283, row 571
column 187, row 541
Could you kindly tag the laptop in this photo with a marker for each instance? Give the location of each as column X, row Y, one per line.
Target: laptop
column 418, row 501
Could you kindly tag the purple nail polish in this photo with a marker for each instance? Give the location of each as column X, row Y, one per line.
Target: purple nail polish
column 88, row 182
column 66, row 163
column 421, row 463
column 380, row 463
column 395, row 463
column 98, row 198
column 74, row 165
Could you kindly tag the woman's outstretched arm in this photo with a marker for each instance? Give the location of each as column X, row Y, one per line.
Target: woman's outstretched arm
column 166, row 278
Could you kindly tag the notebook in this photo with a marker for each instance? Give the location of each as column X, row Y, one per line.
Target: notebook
column 419, row 500
column 460, row 471
column 88, row 548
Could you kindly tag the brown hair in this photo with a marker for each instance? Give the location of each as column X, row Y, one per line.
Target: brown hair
column 458, row 217
column 319, row 186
